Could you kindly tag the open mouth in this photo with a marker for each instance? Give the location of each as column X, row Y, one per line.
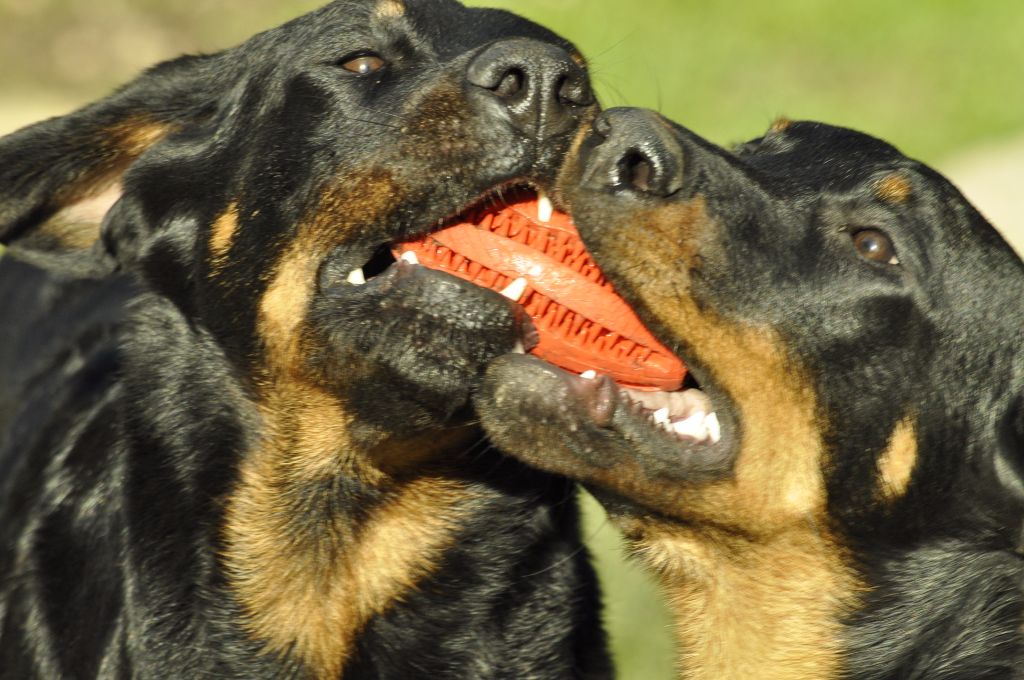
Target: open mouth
column 515, row 242
column 686, row 414
column 519, row 245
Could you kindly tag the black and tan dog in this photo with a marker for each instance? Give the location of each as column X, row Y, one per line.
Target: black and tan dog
column 228, row 449
column 839, row 493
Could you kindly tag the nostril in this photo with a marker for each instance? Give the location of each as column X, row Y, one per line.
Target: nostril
column 636, row 171
column 511, row 83
column 562, row 87
column 534, row 87
column 571, row 90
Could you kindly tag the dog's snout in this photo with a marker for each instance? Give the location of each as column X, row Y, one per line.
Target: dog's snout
column 540, row 87
column 633, row 150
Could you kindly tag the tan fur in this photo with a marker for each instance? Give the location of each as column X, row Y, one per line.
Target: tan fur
column 222, row 234
column 758, row 584
column 131, row 137
column 897, row 462
column 764, row 609
column 307, row 573
column 310, row 590
column 77, row 225
column 82, row 204
column 781, row 125
column 389, row 9
column 572, row 168
column 283, row 307
column 894, row 188
column 350, row 204
column 778, row 478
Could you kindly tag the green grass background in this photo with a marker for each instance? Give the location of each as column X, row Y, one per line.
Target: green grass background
column 932, row 76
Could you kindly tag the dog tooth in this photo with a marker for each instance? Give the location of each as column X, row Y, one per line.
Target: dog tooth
column 691, row 427
column 518, row 348
column 515, row 290
column 661, row 416
column 544, row 207
column 713, row 427
column 356, row 277
column 588, row 375
column 410, row 257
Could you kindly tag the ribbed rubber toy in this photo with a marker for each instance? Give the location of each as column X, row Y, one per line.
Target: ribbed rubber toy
column 582, row 322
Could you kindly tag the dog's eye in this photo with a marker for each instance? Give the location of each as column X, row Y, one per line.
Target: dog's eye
column 363, row 64
column 875, row 245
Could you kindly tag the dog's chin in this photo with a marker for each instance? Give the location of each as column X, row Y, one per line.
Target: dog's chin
column 540, row 412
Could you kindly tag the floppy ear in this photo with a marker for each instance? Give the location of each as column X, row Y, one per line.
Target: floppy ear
column 58, row 178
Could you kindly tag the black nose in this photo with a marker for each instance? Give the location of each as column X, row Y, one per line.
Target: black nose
column 539, row 86
column 635, row 150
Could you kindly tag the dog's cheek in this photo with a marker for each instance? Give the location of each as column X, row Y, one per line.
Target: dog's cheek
column 400, row 366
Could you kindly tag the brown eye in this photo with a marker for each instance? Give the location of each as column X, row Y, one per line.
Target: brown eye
column 363, row 64
column 874, row 245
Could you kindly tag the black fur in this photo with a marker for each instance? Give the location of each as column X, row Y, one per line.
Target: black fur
column 142, row 370
column 761, row 243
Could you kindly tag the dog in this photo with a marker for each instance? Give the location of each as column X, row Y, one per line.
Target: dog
column 235, row 433
column 838, row 491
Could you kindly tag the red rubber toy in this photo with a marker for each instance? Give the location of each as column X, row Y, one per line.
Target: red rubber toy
column 582, row 322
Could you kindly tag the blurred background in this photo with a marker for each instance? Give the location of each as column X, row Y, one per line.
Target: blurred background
column 944, row 81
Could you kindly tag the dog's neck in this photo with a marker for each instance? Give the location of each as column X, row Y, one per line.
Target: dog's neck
column 320, row 539
column 767, row 609
column 334, row 553
column 792, row 607
column 940, row 609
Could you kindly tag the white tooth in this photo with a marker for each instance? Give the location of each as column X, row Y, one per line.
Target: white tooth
column 691, row 427
column 515, row 290
column 544, row 207
column 519, row 349
column 356, row 278
column 410, row 257
column 661, row 416
column 588, row 375
column 714, row 429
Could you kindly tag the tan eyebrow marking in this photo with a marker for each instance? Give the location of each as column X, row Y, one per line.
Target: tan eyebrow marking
column 894, row 188
column 389, row 9
column 897, row 462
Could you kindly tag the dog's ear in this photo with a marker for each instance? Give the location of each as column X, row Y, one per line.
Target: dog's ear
column 58, row 178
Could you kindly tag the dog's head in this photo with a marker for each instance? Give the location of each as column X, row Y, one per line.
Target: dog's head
column 853, row 327
column 285, row 379
column 258, row 187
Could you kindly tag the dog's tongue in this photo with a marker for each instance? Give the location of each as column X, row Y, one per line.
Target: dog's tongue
column 583, row 325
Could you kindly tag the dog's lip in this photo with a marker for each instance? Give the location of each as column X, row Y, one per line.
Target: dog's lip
column 684, row 417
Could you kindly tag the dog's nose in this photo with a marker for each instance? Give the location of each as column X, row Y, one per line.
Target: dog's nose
column 540, row 87
column 635, row 150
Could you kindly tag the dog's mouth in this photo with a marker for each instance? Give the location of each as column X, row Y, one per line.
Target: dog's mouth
column 513, row 241
column 696, row 415
column 598, row 365
column 596, row 352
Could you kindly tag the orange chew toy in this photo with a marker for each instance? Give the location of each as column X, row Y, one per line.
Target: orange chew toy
column 582, row 322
